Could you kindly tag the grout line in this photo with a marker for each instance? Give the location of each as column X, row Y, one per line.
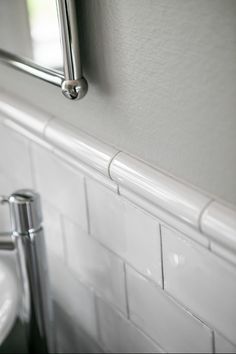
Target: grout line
column 213, row 342
column 200, row 222
column 146, row 334
column 176, row 301
column 110, row 162
column 121, row 258
column 118, row 312
column 126, row 291
column 97, row 319
column 65, row 250
column 43, row 139
column 201, row 214
column 186, row 309
column 162, row 259
column 150, row 280
column 118, row 190
column 82, row 280
column 50, row 119
column 111, row 304
column 46, row 141
column 32, row 167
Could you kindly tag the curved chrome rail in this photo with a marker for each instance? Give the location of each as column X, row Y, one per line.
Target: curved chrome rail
column 72, row 83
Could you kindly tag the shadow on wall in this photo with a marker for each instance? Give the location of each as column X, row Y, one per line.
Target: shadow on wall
column 94, row 42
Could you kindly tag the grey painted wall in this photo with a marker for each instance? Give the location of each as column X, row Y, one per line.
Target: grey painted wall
column 162, row 76
column 14, row 27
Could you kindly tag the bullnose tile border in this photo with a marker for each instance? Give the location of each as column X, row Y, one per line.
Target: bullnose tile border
column 213, row 219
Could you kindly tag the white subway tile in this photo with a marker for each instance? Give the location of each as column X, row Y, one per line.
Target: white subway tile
column 219, row 222
column 71, row 338
column 125, row 229
column 106, row 216
column 162, row 190
column 143, row 246
column 222, row 345
column 164, row 217
column 86, row 170
column 60, row 184
column 53, row 230
column 95, row 265
column 201, row 281
column 119, row 335
column 76, row 300
column 15, row 158
column 164, row 320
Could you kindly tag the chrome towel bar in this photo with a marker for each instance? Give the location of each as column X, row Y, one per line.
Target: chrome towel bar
column 72, row 83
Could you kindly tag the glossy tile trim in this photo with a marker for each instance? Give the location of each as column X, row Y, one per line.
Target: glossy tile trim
column 219, row 222
column 21, row 113
column 165, row 218
column 176, row 203
column 80, row 145
column 160, row 189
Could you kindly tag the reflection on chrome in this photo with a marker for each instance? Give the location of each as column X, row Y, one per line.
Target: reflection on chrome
column 31, row 305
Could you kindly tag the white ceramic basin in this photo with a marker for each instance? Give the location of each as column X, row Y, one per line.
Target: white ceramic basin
column 9, row 293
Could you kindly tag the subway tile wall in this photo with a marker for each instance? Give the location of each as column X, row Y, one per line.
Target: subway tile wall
column 122, row 280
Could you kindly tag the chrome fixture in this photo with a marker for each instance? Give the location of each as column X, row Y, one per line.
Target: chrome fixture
column 73, row 84
column 27, row 238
